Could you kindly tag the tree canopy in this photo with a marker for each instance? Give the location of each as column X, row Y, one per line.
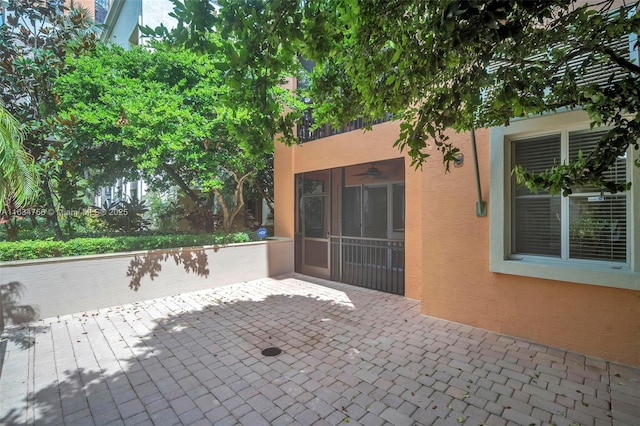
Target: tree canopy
column 254, row 56
column 36, row 42
column 157, row 112
column 452, row 64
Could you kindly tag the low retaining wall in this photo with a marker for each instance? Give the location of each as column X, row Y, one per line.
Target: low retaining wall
column 35, row 289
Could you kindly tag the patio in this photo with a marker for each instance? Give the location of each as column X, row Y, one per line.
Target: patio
column 350, row 355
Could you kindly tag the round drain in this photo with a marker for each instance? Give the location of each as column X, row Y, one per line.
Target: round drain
column 271, row 351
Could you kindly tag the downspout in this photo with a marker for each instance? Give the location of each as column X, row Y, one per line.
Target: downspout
column 481, row 205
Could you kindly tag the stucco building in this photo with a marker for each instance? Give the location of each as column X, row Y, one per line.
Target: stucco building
column 533, row 267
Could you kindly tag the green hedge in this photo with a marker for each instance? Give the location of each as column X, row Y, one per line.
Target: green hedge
column 39, row 249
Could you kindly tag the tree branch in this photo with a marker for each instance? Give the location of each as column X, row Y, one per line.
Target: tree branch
column 181, row 183
column 620, row 60
column 268, row 199
column 225, row 209
column 238, row 197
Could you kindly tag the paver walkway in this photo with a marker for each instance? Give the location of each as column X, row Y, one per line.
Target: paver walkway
column 350, row 356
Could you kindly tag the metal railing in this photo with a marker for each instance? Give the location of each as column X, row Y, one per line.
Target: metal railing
column 372, row 263
column 305, row 134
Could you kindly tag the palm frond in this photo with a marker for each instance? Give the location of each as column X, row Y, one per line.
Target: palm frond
column 18, row 174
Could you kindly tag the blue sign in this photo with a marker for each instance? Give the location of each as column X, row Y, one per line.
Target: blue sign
column 262, row 232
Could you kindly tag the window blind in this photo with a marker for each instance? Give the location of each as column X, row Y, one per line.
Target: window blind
column 598, row 227
column 597, row 220
column 537, row 227
column 586, row 142
column 536, row 155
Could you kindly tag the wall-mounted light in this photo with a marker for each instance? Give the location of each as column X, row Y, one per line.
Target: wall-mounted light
column 458, row 160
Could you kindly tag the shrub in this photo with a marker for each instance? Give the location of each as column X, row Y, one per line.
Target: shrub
column 39, row 249
column 125, row 216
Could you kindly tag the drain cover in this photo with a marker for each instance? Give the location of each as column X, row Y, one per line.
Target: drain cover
column 271, row 351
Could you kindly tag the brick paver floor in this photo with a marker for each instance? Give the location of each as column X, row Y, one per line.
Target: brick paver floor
column 348, row 356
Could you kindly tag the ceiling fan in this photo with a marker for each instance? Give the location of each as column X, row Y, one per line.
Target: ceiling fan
column 373, row 173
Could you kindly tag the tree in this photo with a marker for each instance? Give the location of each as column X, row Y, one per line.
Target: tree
column 194, row 28
column 18, row 175
column 158, row 111
column 455, row 64
column 256, row 61
column 36, row 42
column 256, row 99
column 262, row 185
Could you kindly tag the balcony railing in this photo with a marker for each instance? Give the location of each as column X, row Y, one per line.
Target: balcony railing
column 305, row 134
column 372, row 263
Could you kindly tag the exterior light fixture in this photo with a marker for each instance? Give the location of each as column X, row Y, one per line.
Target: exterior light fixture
column 458, row 160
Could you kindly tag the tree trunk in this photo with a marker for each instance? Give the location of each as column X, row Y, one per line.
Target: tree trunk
column 11, row 228
column 268, row 200
column 225, row 210
column 185, row 188
column 238, row 198
column 53, row 219
column 229, row 214
column 204, row 211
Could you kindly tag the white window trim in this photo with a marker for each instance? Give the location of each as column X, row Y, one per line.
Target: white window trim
column 606, row 274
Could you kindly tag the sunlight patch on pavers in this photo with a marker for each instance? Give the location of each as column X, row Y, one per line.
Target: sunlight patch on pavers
column 348, row 355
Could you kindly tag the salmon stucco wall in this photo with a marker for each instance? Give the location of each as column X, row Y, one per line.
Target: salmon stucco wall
column 283, row 184
column 346, row 149
column 283, row 196
column 447, row 249
column 457, row 284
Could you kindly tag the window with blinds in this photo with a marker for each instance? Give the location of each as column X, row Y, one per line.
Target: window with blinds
column 537, row 215
column 589, row 224
column 597, row 221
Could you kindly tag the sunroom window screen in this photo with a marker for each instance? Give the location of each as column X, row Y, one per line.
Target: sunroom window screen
column 537, row 227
